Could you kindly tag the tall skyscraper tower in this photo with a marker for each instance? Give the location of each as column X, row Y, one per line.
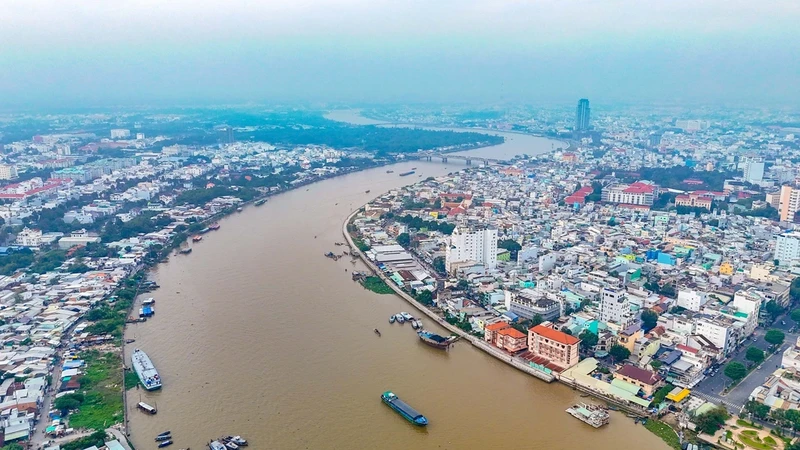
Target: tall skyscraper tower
column 582, row 115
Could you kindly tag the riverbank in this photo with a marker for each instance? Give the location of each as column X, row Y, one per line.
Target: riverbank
column 472, row 339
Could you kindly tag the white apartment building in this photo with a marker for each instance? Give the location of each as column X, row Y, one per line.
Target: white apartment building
column 753, row 171
column 479, row 246
column 718, row 333
column 787, row 248
column 691, row 299
column 614, row 306
column 29, row 238
column 750, row 304
column 120, row 133
column 8, row 172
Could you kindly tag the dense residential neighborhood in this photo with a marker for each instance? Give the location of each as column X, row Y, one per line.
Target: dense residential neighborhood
column 652, row 270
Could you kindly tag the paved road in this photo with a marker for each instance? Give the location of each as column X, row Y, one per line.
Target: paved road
column 712, row 388
column 38, row 438
column 120, row 436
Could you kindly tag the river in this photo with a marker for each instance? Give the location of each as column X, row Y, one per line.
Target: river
column 258, row 334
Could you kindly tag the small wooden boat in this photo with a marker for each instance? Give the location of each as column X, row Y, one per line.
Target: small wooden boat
column 377, row 332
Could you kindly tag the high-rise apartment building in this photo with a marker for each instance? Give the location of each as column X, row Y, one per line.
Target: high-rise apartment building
column 789, row 202
column 787, row 248
column 582, row 115
column 753, row 170
column 8, row 172
column 479, row 246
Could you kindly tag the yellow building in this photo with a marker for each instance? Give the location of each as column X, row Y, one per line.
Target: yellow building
column 726, row 268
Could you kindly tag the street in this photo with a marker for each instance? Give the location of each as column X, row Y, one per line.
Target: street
column 711, row 388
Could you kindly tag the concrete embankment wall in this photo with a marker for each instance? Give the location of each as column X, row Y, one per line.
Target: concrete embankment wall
column 475, row 341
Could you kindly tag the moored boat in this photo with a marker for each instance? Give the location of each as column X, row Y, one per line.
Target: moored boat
column 405, row 174
column 403, row 408
column 391, row 319
column 197, row 238
column 185, row 251
column 399, row 318
column 166, row 433
column 378, row 332
column 214, row 226
column 260, row 202
column 434, row 340
column 414, row 324
column 164, row 437
column 406, row 316
column 594, row 415
column 147, row 408
column 165, row 443
column 216, row 445
column 145, row 370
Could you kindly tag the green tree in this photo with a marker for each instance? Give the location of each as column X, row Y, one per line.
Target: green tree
column 12, row 446
column 404, row 239
column 773, row 309
column 425, row 297
column 656, row 364
column 735, row 370
column 512, row 246
column 588, row 339
column 796, row 315
column 649, row 319
column 758, row 410
column 754, row 354
column 439, row 264
column 619, row 353
column 774, row 337
column 537, row 319
column 710, row 422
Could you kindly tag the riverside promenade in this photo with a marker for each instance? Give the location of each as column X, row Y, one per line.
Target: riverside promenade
column 474, row 340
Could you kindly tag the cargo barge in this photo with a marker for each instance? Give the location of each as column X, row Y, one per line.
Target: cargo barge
column 405, row 174
column 434, row 340
column 402, row 408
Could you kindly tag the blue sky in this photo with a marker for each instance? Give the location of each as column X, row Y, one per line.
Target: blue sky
column 84, row 53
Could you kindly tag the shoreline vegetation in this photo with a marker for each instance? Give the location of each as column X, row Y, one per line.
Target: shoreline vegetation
column 376, row 285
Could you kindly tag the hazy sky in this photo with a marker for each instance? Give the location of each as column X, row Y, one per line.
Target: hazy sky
column 139, row 52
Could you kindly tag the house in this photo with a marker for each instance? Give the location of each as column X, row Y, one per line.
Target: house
column 513, row 340
column 491, row 333
column 646, row 380
column 557, row 347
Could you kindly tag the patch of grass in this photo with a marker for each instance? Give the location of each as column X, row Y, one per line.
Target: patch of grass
column 769, row 441
column 665, row 432
column 377, row 285
column 750, row 432
column 131, row 380
column 100, row 384
column 746, row 424
column 754, row 443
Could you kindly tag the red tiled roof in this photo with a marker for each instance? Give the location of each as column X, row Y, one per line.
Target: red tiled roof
column 686, row 348
column 497, row 326
column 635, row 373
column 513, row 332
column 640, row 188
column 555, row 335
